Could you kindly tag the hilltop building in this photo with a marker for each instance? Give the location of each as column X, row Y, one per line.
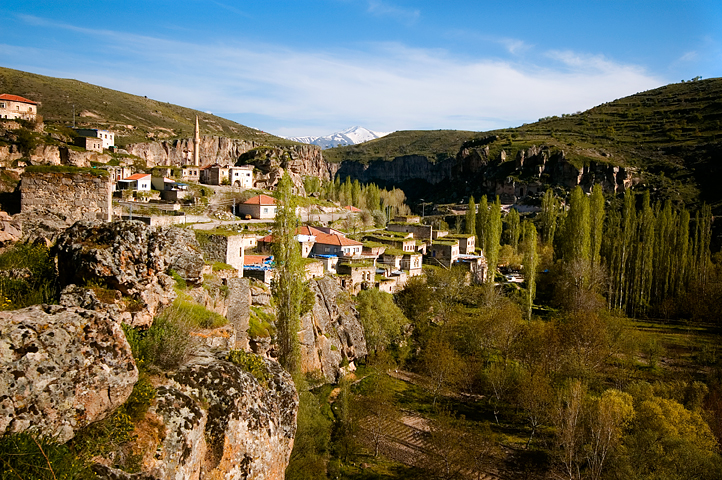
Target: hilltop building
column 13, row 107
column 106, row 136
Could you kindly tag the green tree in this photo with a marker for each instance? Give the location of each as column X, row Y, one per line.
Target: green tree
column 596, row 220
column 381, row 318
column 548, row 217
column 492, row 237
column 531, row 262
column 470, row 225
column 288, row 286
column 482, row 218
column 513, row 229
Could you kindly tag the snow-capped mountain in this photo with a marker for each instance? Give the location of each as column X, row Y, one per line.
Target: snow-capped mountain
column 350, row 136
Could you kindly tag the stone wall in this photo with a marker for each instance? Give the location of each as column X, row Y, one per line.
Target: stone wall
column 73, row 195
column 222, row 248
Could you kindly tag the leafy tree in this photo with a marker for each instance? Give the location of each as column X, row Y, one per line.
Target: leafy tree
column 513, row 230
column 530, row 262
column 548, row 217
column 470, row 225
column 442, row 366
column 481, row 224
column 381, row 318
column 288, row 286
column 310, row 453
column 492, row 237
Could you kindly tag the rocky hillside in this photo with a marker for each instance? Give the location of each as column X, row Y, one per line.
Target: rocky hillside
column 671, row 137
column 134, row 118
column 144, row 321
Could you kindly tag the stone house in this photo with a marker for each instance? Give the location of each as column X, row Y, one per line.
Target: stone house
column 118, row 172
column 105, row 136
column 476, row 265
column 353, row 276
column 260, row 206
column 162, row 183
column 405, row 243
column 443, row 252
column 314, row 269
column 14, row 106
column 423, row 232
column 412, row 263
column 92, row 144
column 190, row 173
column 338, row 245
column 467, row 242
column 215, row 174
column 138, row 181
column 222, row 247
column 393, row 258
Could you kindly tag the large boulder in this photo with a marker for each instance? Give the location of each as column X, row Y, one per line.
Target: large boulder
column 133, row 258
column 219, row 421
column 61, row 369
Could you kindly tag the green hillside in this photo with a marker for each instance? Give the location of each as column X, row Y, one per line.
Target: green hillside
column 672, row 135
column 133, row 118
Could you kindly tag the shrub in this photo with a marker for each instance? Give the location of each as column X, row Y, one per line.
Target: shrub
column 251, row 363
column 31, row 277
column 185, row 311
column 165, row 344
column 23, row 455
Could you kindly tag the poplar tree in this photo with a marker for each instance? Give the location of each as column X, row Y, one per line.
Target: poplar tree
column 548, row 217
column 577, row 228
column 492, row 238
column 513, row 229
column 470, row 226
column 482, row 216
column 288, row 286
column 596, row 220
column 531, row 262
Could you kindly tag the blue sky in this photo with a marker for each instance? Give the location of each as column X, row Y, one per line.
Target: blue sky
column 313, row 67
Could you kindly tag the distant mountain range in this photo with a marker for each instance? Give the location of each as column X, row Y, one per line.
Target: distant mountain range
column 350, row 136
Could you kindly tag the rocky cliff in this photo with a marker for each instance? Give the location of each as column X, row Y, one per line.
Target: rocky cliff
column 475, row 171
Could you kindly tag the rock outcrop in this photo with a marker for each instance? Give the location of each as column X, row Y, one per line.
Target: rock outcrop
column 61, row 368
column 331, row 335
column 216, row 420
column 130, row 257
column 473, row 170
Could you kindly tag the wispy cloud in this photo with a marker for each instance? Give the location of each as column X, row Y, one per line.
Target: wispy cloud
column 385, row 86
column 381, row 8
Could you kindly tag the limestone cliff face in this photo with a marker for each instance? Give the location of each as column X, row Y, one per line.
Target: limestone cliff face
column 474, row 169
column 225, row 151
column 331, row 335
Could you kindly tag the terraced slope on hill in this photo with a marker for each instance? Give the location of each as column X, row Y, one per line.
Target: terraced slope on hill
column 133, row 118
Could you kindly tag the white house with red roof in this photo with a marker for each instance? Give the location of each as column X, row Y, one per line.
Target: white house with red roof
column 260, row 206
column 15, row 106
column 331, row 243
column 138, row 181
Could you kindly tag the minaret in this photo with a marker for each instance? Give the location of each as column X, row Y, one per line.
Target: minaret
column 196, row 145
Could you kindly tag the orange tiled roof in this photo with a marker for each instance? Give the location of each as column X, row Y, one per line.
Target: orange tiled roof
column 260, row 200
column 351, row 208
column 138, row 176
column 254, row 259
column 15, row 98
column 321, row 237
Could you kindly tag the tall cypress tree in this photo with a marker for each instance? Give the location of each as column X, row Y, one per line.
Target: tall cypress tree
column 492, row 238
column 470, row 226
column 288, row 286
column 531, row 262
column 482, row 217
column 596, row 220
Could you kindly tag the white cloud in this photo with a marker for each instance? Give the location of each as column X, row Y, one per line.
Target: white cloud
column 385, row 87
column 406, row 15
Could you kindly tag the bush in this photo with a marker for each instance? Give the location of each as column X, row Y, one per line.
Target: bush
column 23, row 455
column 251, row 363
column 30, row 279
column 184, row 311
column 165, row 344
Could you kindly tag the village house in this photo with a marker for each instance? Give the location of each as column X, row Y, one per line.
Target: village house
column 117, row 172
column 92, row 144
column 190, row 173
column 443, row 252
column 475, row 265
column 412, row 263
column 467, row 242
column 260, row 206
column 259, row 267
column 13, row 107
column 222, row 247
column 419, row 231
column 401, row 241
column 138, row 181
column 241, row 176
column 215, row 174
column 355, row 276
column 106, row 136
